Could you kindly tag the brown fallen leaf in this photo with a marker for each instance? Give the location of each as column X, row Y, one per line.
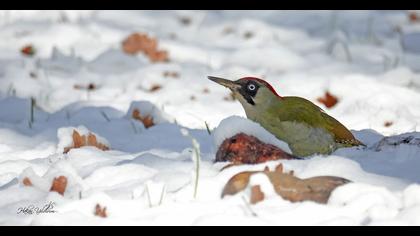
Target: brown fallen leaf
column 287, row 186
column 155, row 88
column 28, row 50
column 91, row 86
column 256, row 194
column 206, row 90
column 78, row 140
column 146, row 120
column 27, row 182
column 158, row 56
column 237, row 183
column 388, row 123
column 247, row 149
column 91, row 140
column 81, row 141
column 294, row 189
column 139, row 42
column 413, row 17
column 279, row 168
column 59, row 185
column 328, row 100
column 100, row 211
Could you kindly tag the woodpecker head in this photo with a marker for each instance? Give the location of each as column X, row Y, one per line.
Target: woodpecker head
column 251, row 92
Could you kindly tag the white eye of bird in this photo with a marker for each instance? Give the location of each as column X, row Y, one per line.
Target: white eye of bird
column 251, row 87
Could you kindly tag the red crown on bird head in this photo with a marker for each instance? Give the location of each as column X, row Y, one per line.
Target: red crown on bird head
column 265, row 83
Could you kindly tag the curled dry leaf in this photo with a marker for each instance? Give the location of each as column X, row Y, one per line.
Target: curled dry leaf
column 158, row 56
column 28, row 50
column 155, row 88
column 146, row 120
column 328, row 100
column 91, row 86
column 27, row 182
column 100, row 211
column 81, row 141
column 256, row 194
column 247, row 149
column 413, row 17
column 78, row 140
column 138, row 42
column 59, row 185
column 286, row 185
column 237, row 183
column 388, row 123
column 294, row 189
column 279, row 168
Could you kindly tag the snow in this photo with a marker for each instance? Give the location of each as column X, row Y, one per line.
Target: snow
column 233, row 125
column 148, row 176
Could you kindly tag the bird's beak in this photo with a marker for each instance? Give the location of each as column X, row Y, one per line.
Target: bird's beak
column 227, row 83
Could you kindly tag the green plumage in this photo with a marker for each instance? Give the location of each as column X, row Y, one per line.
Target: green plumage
column 304, row 126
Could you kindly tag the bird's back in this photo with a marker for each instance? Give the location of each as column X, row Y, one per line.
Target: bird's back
column 300, row 110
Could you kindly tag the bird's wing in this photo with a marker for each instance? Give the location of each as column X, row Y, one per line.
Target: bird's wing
column 302, row 110
column 341, row 133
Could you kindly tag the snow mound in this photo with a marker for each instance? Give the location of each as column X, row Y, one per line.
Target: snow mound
column 121, row 174
column 65, row 137
column 64, row 168
column 61, row 62
column 18, row 110
column 235, row 125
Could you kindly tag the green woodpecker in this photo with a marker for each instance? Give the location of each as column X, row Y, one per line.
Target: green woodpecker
column 304, row 126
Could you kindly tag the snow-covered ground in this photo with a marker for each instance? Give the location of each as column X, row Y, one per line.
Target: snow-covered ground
column 369, row 59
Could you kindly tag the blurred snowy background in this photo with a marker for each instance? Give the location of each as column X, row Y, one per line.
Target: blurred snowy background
column 63, row 69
